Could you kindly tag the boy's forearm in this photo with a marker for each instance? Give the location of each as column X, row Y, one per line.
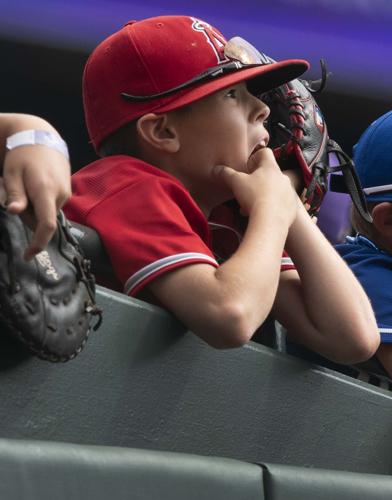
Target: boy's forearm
column 252, row 274
column 225, row 306
column 334, row 301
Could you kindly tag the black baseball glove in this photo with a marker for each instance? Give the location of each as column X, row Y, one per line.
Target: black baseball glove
column 48, row 302
column 299, row 138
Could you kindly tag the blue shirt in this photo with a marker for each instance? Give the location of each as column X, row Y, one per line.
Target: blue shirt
column 373, row 268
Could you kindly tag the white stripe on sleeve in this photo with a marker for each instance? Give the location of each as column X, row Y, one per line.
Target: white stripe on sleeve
column 152, row 268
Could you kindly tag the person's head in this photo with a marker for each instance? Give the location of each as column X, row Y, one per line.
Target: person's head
column 154, row 89
column 373, row 163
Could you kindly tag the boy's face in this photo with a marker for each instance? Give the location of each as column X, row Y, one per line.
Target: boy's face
column 385, row 228
column 224, row 128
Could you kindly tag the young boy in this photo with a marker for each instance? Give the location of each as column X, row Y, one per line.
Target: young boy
column 172, row 108
column 35, row 170
column 369, row 253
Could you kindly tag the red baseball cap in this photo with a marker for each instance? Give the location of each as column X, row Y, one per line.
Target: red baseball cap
column 152, row 57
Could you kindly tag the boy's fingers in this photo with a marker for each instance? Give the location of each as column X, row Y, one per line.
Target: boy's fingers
column 225, row 173
column 262, row 155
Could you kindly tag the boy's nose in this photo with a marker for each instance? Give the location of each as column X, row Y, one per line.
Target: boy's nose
column 261, row 110
column 265, row 112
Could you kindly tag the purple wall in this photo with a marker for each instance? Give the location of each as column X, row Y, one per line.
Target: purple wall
column 354, row 36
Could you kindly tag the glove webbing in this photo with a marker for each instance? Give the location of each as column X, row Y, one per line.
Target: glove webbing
column 296, row 114
column 348, row 181
column 314, row 194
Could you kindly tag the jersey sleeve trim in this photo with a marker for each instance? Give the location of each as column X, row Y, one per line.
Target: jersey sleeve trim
column 134, row 282
column 386, row 335
column 286, row 264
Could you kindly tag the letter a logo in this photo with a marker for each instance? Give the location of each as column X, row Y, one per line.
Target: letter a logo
column 215, row 39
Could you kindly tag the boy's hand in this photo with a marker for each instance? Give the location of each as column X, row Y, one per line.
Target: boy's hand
column 41, row 177
column 264, row 187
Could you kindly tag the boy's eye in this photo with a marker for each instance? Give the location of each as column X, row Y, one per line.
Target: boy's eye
column 232, row 93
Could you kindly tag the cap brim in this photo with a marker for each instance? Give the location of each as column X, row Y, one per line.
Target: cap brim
column 337, row 184
column 379, row 197
column 263, row 77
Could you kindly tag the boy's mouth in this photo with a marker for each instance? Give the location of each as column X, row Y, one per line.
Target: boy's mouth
column 259, row 145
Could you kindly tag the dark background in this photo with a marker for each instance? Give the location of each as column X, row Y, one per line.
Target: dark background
column 44, row 46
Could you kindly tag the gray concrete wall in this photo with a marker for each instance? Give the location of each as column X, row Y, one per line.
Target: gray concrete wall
column 144, row 382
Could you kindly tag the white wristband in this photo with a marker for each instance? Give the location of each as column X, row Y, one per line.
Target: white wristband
column 43, row 137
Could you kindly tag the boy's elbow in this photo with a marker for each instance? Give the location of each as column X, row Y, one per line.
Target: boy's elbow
column 367, row 346
column 362, row 346
column 228, row 340
column 368, row 338
column 231, row 328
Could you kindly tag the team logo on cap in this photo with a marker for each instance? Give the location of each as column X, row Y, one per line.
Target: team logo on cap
column 215, row 39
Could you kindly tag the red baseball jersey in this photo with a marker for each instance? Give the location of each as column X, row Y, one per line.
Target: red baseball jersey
column 148, row 221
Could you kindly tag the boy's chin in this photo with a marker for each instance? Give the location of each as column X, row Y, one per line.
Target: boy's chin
column 241, row 168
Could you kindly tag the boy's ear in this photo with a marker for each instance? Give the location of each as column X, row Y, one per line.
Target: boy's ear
column 158, row 132
column 382, row 218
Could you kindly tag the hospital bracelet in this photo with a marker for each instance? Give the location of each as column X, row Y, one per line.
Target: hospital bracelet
column 42, row 137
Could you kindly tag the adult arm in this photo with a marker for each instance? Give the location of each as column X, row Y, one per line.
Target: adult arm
column 34, row 174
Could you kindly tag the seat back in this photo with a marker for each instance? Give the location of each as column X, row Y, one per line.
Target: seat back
column 41, row 470
column 283, row 482
column 38, row 470
column 95, row 251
